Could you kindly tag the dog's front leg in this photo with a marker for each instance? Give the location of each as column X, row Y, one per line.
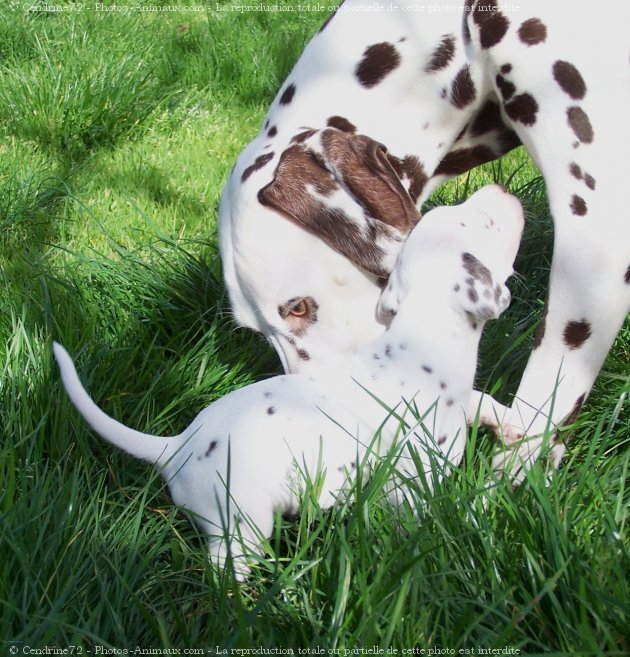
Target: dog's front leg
column 589, row 297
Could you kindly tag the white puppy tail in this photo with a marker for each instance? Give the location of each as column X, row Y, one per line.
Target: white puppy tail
column 154, row 449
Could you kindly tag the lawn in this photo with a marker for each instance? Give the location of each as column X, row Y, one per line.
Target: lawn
column 118, row 130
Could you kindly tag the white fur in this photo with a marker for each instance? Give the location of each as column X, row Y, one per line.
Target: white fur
column 265, row 438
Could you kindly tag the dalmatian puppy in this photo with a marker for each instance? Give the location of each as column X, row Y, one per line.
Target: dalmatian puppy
column 246, row 456
column 381, row 108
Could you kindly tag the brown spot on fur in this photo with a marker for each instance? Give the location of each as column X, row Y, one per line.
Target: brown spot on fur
column 477, row 270
column 341, row 123
column 259, row 163
column 575, row 171
column 442, row 55
column 288, row 94
column 522, row 108
column 532, row 32
column 506, row 88
column 580, row 124
column 487, row 120
column 573, row 416
column 464, row 159
column 379, row 60
column 211, row 448
column 577, row 333
column 506, row 69
column 542, row 325
column 410, row 168
column 569, row 79
column 462, row 88
column 493, row 25
column 303, row 136
column 303, row 354
column 578, row 206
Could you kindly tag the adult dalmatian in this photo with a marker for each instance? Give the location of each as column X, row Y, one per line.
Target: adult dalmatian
column 381, row 108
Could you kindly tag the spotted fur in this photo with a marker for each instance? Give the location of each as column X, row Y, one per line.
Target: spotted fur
column 408, row 101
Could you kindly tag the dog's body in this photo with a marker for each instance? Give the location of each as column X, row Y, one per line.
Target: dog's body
column 385, row 105
column 258, row 441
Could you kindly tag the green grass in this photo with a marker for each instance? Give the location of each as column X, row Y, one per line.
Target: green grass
column 117, row 134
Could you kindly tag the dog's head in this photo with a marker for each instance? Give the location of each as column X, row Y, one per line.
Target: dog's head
column 306, row 234
column 460, row 256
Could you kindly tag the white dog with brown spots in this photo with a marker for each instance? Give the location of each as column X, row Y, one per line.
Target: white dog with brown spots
column 263, row 439
column 385, row 105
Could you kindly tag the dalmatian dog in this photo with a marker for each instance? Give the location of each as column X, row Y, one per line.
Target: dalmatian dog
column 246, row 455
column 384, row 106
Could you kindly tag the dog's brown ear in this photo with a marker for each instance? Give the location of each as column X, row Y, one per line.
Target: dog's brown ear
column 344, row 189
column 363, row 167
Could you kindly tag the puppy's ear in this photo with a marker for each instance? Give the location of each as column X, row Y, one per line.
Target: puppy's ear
column 480, row 293
column 344, row 189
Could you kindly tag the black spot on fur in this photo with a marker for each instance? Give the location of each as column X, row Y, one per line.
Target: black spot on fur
column 506, row 69
column 532, row 32
column 442, row 55
column 259, row 163
column 268, row 395
column 627, row 276
column 288, row 94
column 472, row 294
column 580, row 124
column 379, row 60
column 427, row 369
column 577, row 333
column 569, row 79
column 303, row 354
column 441, row 440
column 273, row 131
column 271, row 410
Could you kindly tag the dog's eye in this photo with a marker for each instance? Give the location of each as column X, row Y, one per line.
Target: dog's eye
column 300, row 309
column 299, row 313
